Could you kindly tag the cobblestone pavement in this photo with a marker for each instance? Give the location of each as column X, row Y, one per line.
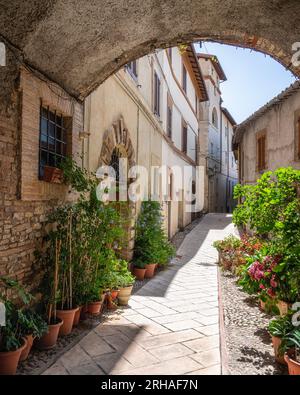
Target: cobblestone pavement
column 248, row 342
column 171, row 325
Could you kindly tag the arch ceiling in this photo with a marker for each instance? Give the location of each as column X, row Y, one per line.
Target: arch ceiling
column 79, row 43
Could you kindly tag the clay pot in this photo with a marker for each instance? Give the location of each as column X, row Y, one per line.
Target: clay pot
column 124, row 295
column 67, row 316
column 77, row 316
column 262, row 305
column 139, row 273
column 114, row 293
column 9, row 360
column 276, row 341
column 150, row 269
column 294, row 366
column 27, row 349
column 94, row 307
column 283, row 307
column 53, row 174
column 49, row 339
column 83, row 312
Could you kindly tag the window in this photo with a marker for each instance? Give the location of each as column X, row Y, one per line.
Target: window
column 184, row 137
column 184, row 78
column 261, row 152
column 132, row 68
column 156, row 94
column 169, row 116
column 215, row 118
column 53, row 139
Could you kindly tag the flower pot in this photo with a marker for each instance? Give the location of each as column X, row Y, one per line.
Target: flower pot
column 9, row 360
column 276, row 341
column 150, row 269
column 294, row 366
column 283, row 307
column 27, row 349
column 67, row 316
column 77, row 316
column 262, row 305
column 83, row 312
column 53, row 174
column 139, row 273
column 114, row 293
column 94, row 307
column 124, row 295
column 49, row 339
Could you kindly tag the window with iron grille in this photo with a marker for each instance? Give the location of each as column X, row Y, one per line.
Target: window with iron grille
column 156, row 94
column 53, row 139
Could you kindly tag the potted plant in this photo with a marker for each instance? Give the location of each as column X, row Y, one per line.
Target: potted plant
column 152, row 247
column 279, row 328
column 292, row 355
column 126, row 281
column 53, row 174
column 33, row 326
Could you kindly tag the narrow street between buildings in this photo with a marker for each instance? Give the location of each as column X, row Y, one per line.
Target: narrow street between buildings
column 171, row 325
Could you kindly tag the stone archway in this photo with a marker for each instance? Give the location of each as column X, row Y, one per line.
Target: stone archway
column 78, row 44
column 118, row 137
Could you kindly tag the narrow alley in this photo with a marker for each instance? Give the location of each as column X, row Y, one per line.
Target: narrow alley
column 172, row 323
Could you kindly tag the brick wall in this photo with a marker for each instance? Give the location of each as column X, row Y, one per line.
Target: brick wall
column 24, row 200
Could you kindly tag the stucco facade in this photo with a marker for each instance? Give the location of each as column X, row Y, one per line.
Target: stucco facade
column 156, row 136
column 278, row 120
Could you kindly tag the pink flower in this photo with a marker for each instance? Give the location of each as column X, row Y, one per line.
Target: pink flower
column 261, row 286
column 273, row 282
column 271, row 293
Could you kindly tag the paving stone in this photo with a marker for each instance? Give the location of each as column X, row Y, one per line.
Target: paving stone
column 94, row 345
column 180, row 325
column 137, row 356
column 57, row 370
column 171, row 351
column 208, row 358
column 75, row 357
column 204, row 344
column 171, row 338
column 211, row 370
column 91, row 369
column 113, row 363
column 175, row 317
column 150, row 313
column 176, row 366
column 209, row 330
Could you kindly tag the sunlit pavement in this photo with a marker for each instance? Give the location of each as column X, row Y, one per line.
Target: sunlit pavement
column 171, row 325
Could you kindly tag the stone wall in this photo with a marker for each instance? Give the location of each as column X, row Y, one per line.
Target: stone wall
column 24, row 200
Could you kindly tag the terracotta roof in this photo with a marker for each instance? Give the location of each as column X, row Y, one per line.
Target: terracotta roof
column 228, row 115
column 240, row 129
column 197, row 70
column 216, row 63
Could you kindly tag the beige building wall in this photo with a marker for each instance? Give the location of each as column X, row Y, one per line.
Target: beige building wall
column 281, row 126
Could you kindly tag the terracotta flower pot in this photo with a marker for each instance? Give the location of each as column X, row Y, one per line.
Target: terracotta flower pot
column 77, row 316
column 276, row 341
column 283, row 307
column 114, row 293
column 124, row 295
column 139, row 273
column 94, row 307
column 53, row 174
column 27, row 349
column 9, row 360
column 294, row 366
column 49, row 339
column 68, row 319
column 150, row 269
column 262, row 305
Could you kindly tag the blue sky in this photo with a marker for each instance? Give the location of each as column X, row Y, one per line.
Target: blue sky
column 252, row 78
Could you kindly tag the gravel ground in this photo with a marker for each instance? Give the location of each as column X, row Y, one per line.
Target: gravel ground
column 248, row 343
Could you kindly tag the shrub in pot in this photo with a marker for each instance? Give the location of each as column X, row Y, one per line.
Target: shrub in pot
column 151, row 243
column 279, row 328
column 139, row 270
column 292, row 354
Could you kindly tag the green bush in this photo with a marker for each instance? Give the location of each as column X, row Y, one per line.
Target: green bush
column 151, row 242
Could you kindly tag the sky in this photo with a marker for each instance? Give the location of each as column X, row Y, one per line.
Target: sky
column 252, row 78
